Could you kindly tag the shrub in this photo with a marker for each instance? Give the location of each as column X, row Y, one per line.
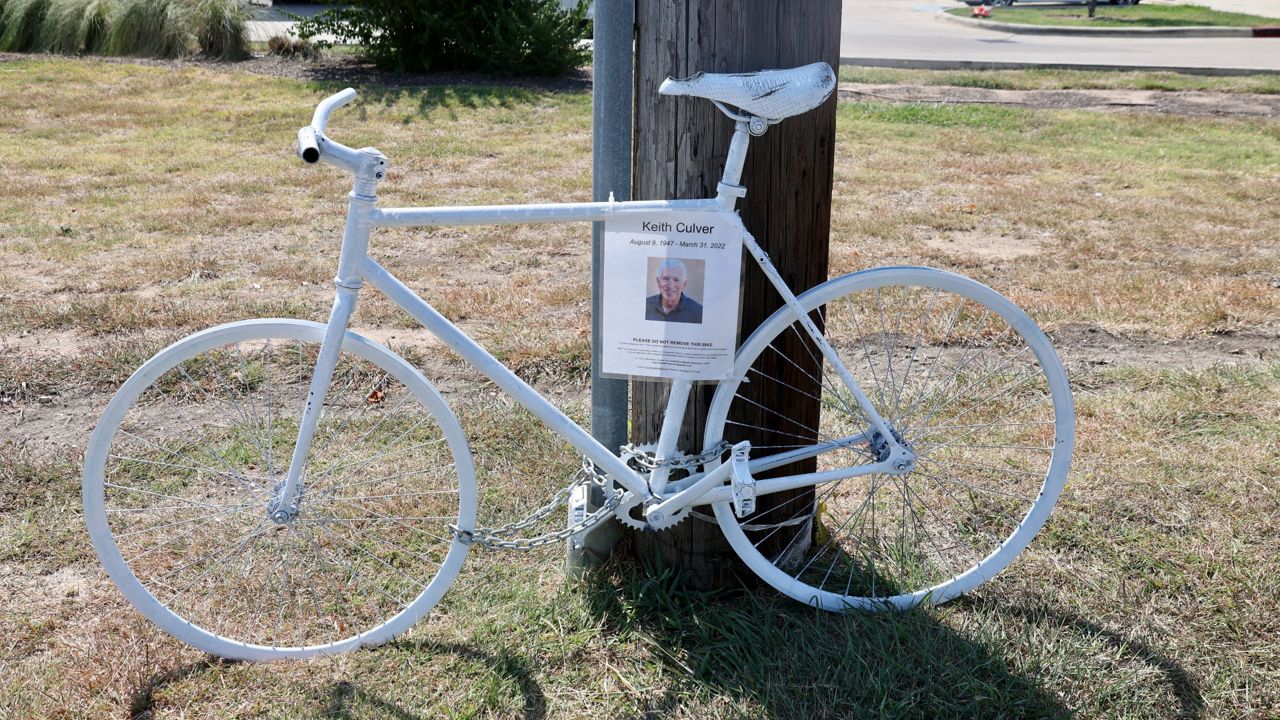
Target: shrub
column 509, row 37
column 292, row 47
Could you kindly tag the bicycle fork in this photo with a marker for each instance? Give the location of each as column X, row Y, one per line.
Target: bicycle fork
column 355, row 246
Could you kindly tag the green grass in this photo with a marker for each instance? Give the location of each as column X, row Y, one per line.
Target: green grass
column 1132, row 16
column 1149, row 594
column 1053, row 79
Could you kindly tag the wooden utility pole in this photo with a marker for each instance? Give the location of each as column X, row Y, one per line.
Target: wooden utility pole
column 680, row 151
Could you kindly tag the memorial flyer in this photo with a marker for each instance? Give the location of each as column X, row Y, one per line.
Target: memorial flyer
column 671, row 291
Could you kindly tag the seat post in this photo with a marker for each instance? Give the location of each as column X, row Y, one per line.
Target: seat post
column 728, row 191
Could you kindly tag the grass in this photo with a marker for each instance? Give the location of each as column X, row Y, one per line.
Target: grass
column 155, row 201
column 1136, row 16
column 1053, row 79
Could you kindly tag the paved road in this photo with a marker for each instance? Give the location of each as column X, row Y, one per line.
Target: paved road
column 905, row 30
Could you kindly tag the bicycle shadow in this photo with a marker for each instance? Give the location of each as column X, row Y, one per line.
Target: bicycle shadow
column 143, row 701
column 1185, row 690
column 347, row 698
column 790, row 661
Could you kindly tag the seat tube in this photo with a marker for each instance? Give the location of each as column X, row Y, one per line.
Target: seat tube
column 355, row 247
column 669, row 436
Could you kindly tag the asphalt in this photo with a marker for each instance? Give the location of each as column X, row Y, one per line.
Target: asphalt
column 907, row 33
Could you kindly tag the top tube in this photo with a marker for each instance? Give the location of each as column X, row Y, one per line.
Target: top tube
column 540, row 213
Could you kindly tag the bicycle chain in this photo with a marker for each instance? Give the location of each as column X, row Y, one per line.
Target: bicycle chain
column 681, row 461
column 493, row 538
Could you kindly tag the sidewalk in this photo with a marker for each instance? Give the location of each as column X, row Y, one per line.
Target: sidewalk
column 270, row 19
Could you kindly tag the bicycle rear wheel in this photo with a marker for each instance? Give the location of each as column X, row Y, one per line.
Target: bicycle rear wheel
column 962, row 376
column 181, row 470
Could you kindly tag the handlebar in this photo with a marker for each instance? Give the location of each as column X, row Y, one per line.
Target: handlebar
column 309, row 136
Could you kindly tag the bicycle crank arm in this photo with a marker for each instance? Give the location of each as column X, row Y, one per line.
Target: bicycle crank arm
column 659, row 516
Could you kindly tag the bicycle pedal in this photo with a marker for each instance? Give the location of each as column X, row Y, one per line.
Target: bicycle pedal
column 743, row 485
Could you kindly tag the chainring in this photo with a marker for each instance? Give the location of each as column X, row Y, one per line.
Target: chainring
column 631, row 501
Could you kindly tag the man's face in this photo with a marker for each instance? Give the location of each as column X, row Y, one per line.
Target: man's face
column 671, row 282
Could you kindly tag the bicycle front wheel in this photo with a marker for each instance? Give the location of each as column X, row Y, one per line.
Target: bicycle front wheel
column 183, row 468
column 962, row 376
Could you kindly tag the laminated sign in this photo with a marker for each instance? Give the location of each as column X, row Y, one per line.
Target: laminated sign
column 671, row 288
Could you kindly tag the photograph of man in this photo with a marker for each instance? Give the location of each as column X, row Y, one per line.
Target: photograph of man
column 671, row 304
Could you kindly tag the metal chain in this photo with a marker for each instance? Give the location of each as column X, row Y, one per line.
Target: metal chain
column 494, row 538
column 646, row 460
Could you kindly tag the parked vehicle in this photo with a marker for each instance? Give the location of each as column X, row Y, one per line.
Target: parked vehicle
column 1009, row 3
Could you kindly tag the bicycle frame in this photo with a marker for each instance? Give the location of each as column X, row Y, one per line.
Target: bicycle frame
column 356, row 268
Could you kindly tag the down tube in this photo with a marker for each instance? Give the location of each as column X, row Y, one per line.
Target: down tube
column 499, row 374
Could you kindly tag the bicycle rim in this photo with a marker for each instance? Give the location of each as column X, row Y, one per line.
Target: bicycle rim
column 969, row 383
column 183, row 466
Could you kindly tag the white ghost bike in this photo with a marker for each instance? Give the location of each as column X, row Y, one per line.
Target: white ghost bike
column 283, row 488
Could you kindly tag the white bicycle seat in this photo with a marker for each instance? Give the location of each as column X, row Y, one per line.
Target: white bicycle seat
column 768, row 94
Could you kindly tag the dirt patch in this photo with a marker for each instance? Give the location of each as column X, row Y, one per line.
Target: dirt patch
column 986, row 245
column 1084, row 345
column 1184, row 102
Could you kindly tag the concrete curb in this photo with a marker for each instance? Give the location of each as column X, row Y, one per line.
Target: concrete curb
column 914, row 64
column 1186, row 32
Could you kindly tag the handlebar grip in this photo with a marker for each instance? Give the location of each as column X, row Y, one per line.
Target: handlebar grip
column 308, row 145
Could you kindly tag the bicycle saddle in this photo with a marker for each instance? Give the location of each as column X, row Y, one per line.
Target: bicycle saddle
column 768, row 94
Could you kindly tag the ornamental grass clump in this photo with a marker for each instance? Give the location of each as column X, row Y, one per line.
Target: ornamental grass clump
column 288, row 46
column 141, row 28
column 20, row 22
column 74, row 27
column 148, row 28
column 220, row 28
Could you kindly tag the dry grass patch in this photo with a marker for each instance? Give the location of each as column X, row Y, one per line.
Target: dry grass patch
column 1054, row 79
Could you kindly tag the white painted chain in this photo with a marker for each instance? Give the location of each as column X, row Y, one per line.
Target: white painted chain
column 495, row 538
column 680, row 461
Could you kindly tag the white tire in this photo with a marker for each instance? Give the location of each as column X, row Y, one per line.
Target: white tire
column 973, row 387
column 180, row 473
